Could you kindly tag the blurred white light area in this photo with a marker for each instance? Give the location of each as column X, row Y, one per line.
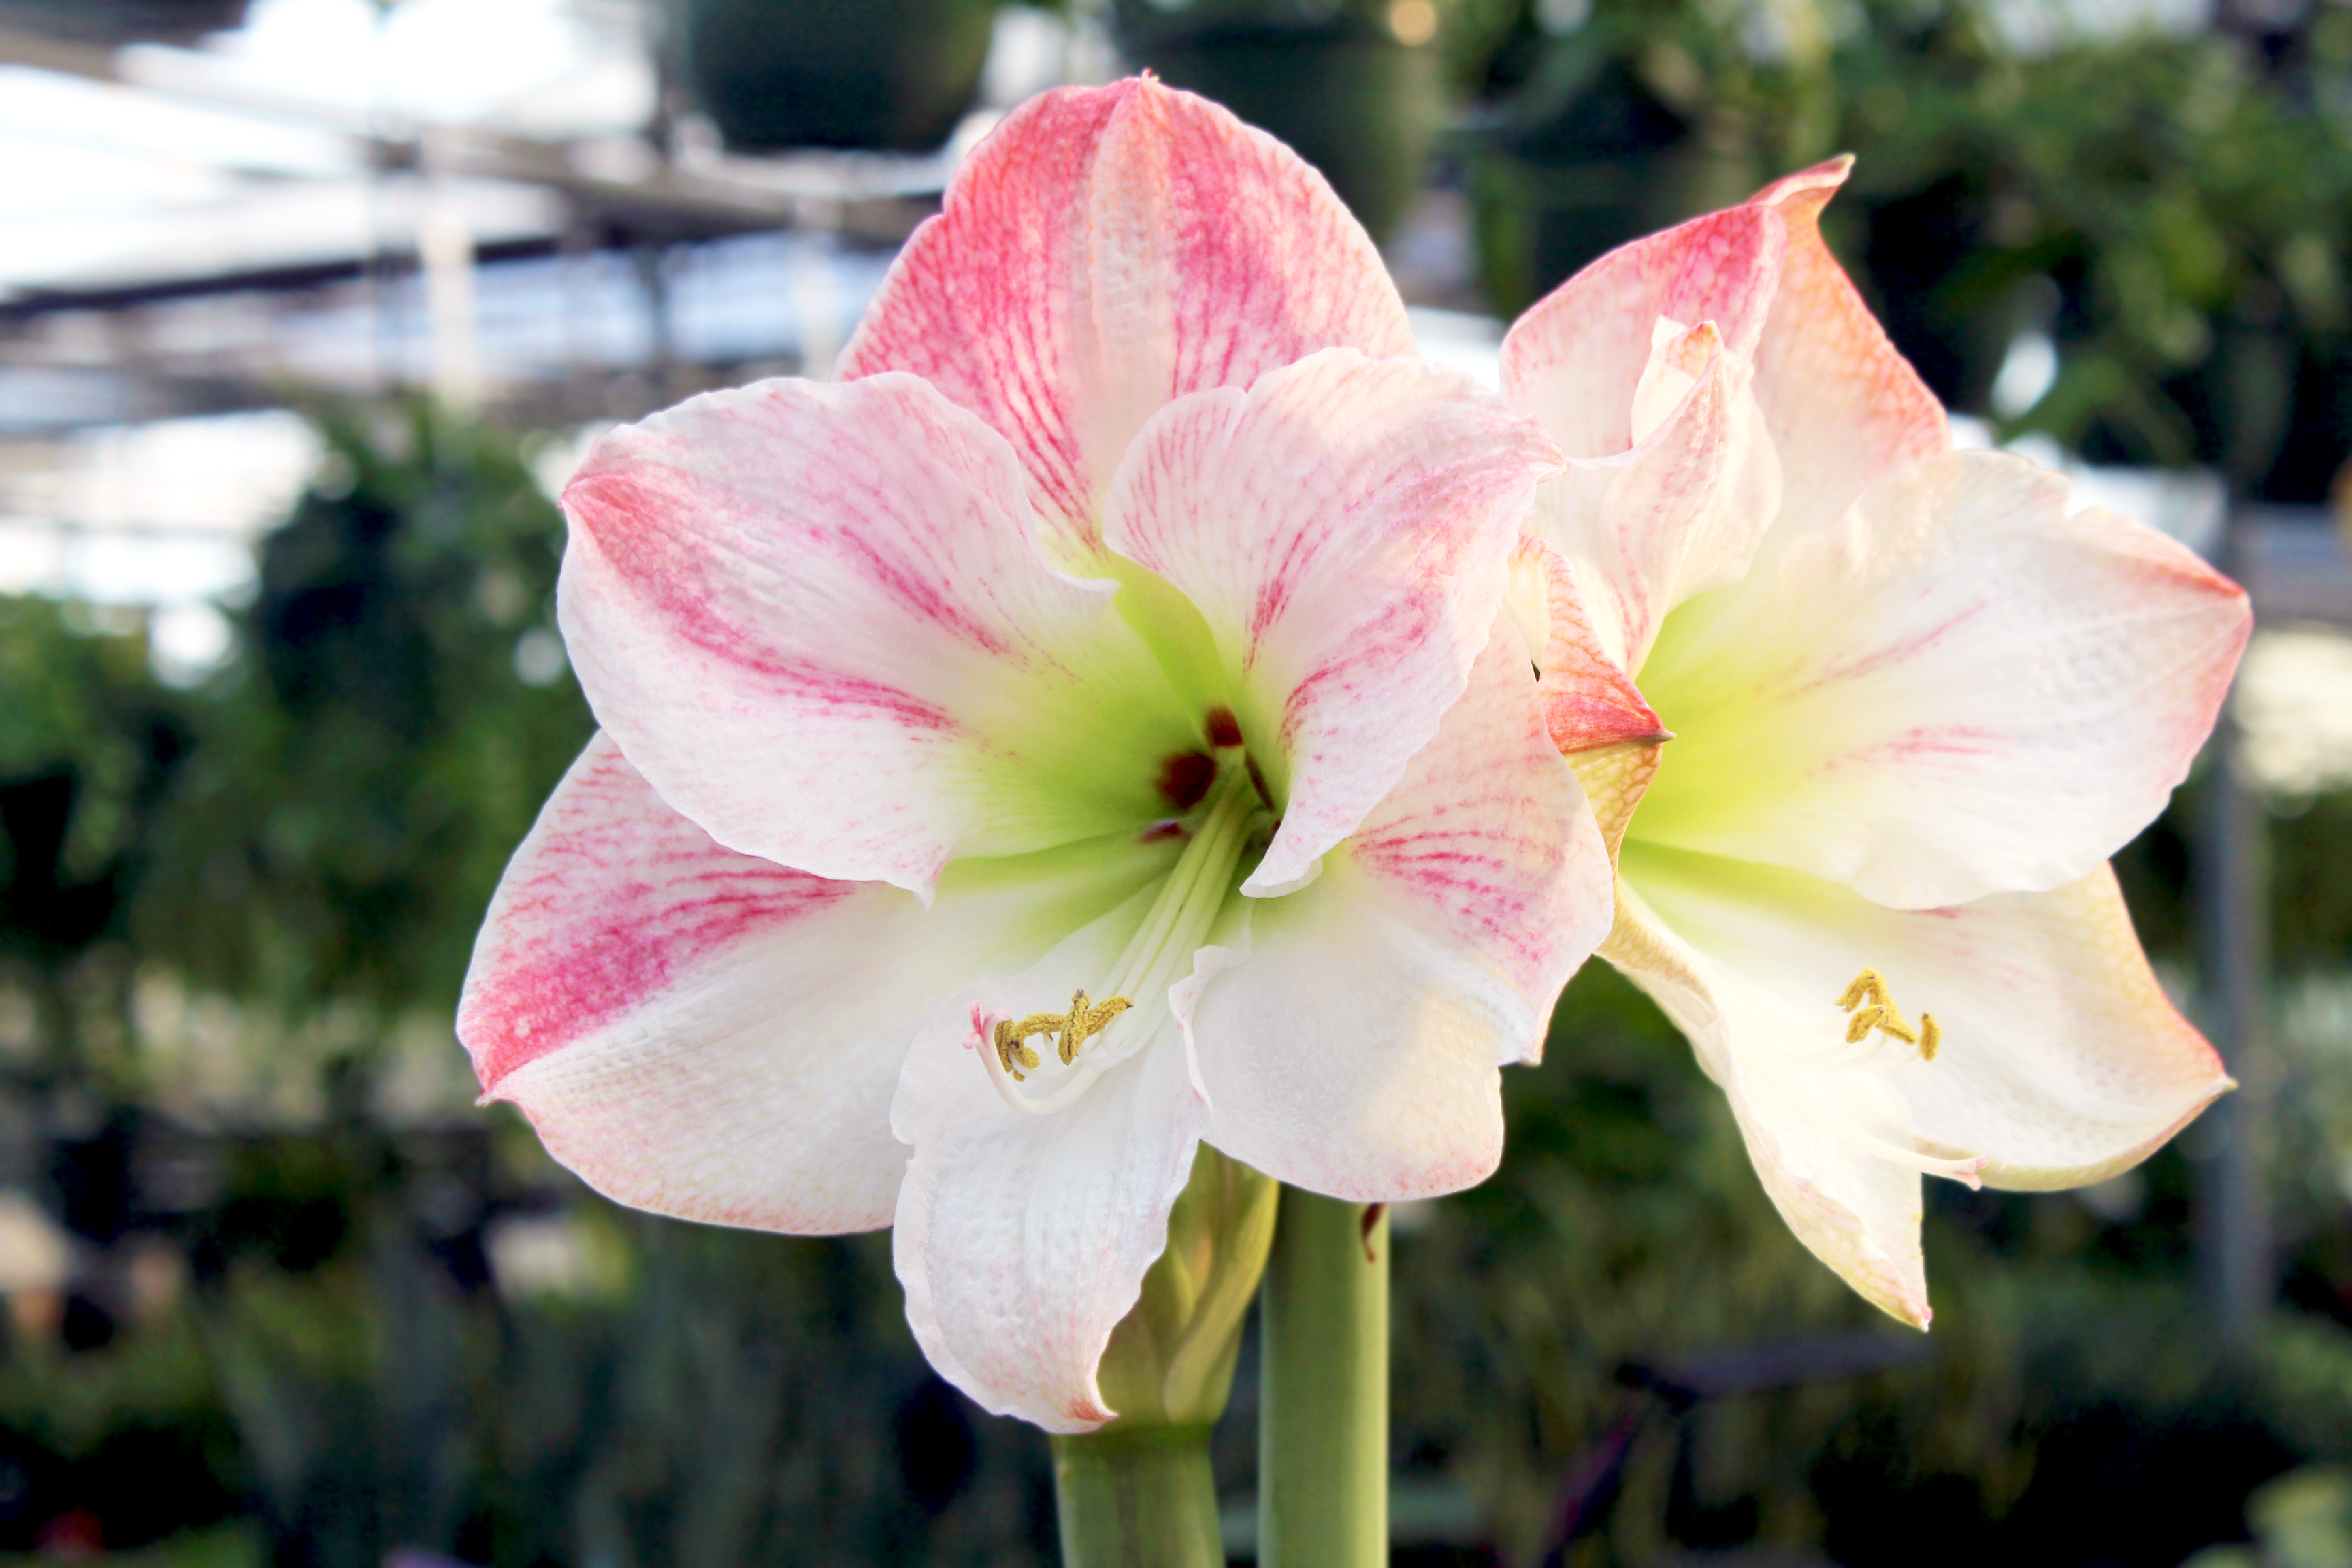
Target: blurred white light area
column 36, row 1254
column 2028, row 370
column 232, row 229
column 187, row 642
column 230, row 474
column 553, row 1255
column 162, row 516
column 1460, row 341
column 53, row 176
column 1028, row 51
column 547, row 68
column 115, row 130
column 540, row 659
column 2294, row 704
column 2040, row 26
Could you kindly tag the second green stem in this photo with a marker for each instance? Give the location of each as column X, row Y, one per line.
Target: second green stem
column 1323, row 1429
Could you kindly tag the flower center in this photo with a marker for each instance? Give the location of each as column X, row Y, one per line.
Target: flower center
column 1872, row 1006
column 1089, row 1037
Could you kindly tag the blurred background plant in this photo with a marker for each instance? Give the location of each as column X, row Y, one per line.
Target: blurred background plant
column 277, row 1291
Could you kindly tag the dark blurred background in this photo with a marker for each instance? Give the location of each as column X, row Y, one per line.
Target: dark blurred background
column 307, row 307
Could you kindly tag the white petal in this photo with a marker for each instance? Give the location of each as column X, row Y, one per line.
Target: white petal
column 1022, row 1239
column 1961, row 690
column 1681, row 513
column 816, row 618
column 1354, row 1051
column 709, row 1034
column 1106, row 250
column 1344, row 530
column 2059, row 1060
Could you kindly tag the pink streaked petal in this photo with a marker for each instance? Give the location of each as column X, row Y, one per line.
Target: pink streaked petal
column 1844, row 408
column 1961, row 690
column 1106, row 250
column 1681, row 512
column 1354, row 1051
column 712, row 1035
column 1021, row 1239
column 1344, row 529
column 621, row 994
column 1575, row 360
column 1588, row 702
column 814, row 617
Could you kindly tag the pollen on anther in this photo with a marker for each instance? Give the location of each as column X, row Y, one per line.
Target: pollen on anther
column 1873, row 1006
column 1867, row 983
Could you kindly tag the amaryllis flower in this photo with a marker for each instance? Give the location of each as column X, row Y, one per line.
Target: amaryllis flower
column 1089, row 729
column 1896, row 706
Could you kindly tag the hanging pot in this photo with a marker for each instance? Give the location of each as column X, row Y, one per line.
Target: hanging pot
column 884, row 75
column 124, row 21
column 1342, row 88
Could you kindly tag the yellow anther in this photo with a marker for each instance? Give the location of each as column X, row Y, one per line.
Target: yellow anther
column 1012, row 1052
column 1873, row 1007
column 1074, row 1028
column 1085, row 1021
column 1866, row 983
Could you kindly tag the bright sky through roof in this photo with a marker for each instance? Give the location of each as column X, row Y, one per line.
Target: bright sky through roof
column 546, row 66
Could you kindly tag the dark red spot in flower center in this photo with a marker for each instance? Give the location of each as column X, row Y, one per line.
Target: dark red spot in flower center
column 1185, row 777
column 1225, row 729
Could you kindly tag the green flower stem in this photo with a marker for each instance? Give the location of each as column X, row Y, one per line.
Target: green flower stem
column 1138, row 1498
column 1323, row 1429
column 1138, row 1493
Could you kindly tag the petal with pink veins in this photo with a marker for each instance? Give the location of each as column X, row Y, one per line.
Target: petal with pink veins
column 1843, row 408
column 1354, row 1051
column 2059, row 1062
column 1679, row 513
column 1961, row 690
column 816, row 619
column 1106, row 250
column 712, row 1035
column 1343, row 532
column 1022, row 1239
column 1576, row 358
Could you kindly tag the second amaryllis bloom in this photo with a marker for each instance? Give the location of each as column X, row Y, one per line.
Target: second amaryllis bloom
column 1087, row 731
column 1897, row 705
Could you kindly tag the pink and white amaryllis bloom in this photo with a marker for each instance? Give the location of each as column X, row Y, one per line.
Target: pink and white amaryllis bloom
column 1915, row 701
column 1089, row 729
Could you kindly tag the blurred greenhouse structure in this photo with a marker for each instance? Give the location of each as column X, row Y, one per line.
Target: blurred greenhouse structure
column 307, row 306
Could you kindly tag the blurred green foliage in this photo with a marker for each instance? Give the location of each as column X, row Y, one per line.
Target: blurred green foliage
column 2173, row 208
column 360, row 774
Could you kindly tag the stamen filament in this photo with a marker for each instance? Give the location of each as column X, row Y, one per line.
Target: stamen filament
column 1176, row 926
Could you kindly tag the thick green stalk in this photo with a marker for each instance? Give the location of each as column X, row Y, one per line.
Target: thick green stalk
column 1323, row 1428
column 1141, row 1497
column 1138, row 1493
